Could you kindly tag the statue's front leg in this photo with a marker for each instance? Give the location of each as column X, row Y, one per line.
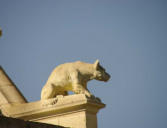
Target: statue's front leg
column 79, row 89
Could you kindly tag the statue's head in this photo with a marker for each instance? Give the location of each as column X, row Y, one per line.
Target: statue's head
column 100, row 73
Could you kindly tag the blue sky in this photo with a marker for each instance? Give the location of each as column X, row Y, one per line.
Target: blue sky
column 129, row 37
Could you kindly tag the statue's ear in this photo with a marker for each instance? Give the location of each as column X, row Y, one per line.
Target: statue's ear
column 96, row 64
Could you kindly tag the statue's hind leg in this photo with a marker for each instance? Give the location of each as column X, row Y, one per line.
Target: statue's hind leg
column 47, row 92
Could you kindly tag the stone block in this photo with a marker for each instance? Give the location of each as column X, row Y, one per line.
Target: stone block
column 75, row 111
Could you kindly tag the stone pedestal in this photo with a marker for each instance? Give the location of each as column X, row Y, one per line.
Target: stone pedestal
column 74, row 111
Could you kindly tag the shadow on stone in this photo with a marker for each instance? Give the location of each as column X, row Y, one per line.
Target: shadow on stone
column 7, row 122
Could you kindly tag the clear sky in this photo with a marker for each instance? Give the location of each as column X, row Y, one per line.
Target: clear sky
column 129, row 37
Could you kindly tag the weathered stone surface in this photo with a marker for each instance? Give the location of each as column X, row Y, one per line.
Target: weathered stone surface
column 6, row 122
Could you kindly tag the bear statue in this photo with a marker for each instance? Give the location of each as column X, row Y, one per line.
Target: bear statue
column 73, row 77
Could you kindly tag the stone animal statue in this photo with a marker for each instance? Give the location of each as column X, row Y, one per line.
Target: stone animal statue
column 73, row 77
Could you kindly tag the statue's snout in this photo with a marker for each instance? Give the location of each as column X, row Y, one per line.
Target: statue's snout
column 107, row 77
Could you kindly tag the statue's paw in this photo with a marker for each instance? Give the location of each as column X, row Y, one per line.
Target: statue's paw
column 49, row 102
column 91, row 97
column 98, row 99
column 59, row 96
